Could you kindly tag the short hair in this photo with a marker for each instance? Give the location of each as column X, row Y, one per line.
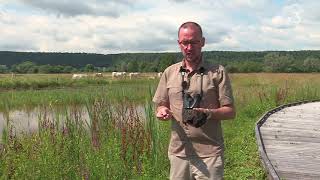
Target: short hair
column 189, row 24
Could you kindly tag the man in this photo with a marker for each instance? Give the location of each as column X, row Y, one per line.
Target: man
column 196, row 96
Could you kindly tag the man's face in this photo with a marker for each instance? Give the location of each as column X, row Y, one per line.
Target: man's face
column 191, row 42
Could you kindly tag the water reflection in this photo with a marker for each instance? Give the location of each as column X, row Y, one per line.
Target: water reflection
column 28, row 121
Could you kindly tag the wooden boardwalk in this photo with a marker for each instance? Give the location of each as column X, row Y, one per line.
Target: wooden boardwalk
column 289, row 141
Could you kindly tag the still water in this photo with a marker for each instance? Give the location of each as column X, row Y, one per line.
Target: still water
column 27, row 121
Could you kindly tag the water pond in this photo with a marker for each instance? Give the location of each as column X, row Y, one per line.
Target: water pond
column 28, row 121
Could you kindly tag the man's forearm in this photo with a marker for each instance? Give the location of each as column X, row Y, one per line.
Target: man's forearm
column 222, row 113
column 163, row 112
column 162, row 105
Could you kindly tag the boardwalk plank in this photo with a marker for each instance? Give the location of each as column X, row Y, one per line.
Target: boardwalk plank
column 282, row 165
column 275, row 119
column 287, row 150
column 291, row 140
column 288, row 144
column 294, row 175
column 294, row 126
column 290, row 132
column 300, row 120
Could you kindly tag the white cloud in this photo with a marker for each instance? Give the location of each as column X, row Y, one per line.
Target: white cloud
column 144, row 26
column 111, row 8
column 289, row 17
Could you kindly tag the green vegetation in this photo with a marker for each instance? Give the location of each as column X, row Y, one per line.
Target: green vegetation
column 120, row 142
column 264, row 61
column 45, row 81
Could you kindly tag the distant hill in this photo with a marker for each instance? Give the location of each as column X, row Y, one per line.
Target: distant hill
column 81, row 59
column 73, row 59
column 231, row 59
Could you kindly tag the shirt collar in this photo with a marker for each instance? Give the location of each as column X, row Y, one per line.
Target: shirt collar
column 202, row 66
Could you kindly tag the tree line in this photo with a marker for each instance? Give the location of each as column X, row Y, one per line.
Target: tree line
column 235, row 62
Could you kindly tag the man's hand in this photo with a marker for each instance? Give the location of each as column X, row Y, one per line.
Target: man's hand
column 222, row 113
column 203, row 110
column 164, row 113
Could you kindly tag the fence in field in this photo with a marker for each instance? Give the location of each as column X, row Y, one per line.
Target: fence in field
column 288, row 139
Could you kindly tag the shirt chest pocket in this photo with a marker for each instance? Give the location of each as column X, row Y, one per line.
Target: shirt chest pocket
column 211, row 89
column 210, row 94
column 175, row 95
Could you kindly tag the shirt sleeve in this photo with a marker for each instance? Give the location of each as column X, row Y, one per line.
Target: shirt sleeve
column 225, row 89
column 161, row 95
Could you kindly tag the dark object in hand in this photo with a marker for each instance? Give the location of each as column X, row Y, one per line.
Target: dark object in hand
column 194, row 118
column 190, row 102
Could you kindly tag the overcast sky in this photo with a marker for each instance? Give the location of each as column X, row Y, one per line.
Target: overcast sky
column 118, row 26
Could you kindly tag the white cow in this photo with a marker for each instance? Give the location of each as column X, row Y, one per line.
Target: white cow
column 159, row 74
column 134, row 74
column 118, row 75
column 98, row 75
column 79, row 76
column 13, row 75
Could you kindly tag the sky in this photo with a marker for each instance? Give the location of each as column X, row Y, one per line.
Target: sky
column 129, row 26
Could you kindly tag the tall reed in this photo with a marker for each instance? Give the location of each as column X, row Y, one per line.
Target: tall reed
column 120, row 138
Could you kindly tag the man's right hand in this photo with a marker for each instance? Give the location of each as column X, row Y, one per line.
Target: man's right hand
column 164, row 113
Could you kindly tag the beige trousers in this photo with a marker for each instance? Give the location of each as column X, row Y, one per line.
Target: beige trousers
column 190, row 168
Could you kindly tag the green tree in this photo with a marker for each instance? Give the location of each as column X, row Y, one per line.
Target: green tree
column 69, row 69
column 165, row 61
column 142, row 66
column 250, row 66
column 45, row 69
column 133, row 66
column 275, row 62
column 89, row 68
column 232, row 68
column 311, row 64
column 3, row 69
column 58, row 69
column 154, row 66
column 25, row 67
column 122, row 66
column 51, row 69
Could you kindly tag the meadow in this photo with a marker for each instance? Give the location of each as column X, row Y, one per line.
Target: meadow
column 118, row 141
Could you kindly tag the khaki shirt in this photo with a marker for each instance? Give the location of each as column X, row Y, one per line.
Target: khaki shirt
column 187, row 140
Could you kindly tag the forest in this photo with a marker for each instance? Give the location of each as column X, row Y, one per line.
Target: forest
column 235, row 62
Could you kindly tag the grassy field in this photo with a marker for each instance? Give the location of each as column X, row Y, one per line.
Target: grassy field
column 118, row 142
column 42, row 81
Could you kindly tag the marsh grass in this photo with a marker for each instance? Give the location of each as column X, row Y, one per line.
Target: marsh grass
column 75, row 149
column 120, row 142
column 116, row 136
column 49, row 81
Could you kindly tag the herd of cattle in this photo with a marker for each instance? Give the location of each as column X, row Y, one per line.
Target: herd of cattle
column 119, row 75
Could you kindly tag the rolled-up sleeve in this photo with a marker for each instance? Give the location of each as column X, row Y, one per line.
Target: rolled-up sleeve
column 225, row 89
column 161, row 95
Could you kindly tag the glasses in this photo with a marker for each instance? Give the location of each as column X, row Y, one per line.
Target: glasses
column 186, row 43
